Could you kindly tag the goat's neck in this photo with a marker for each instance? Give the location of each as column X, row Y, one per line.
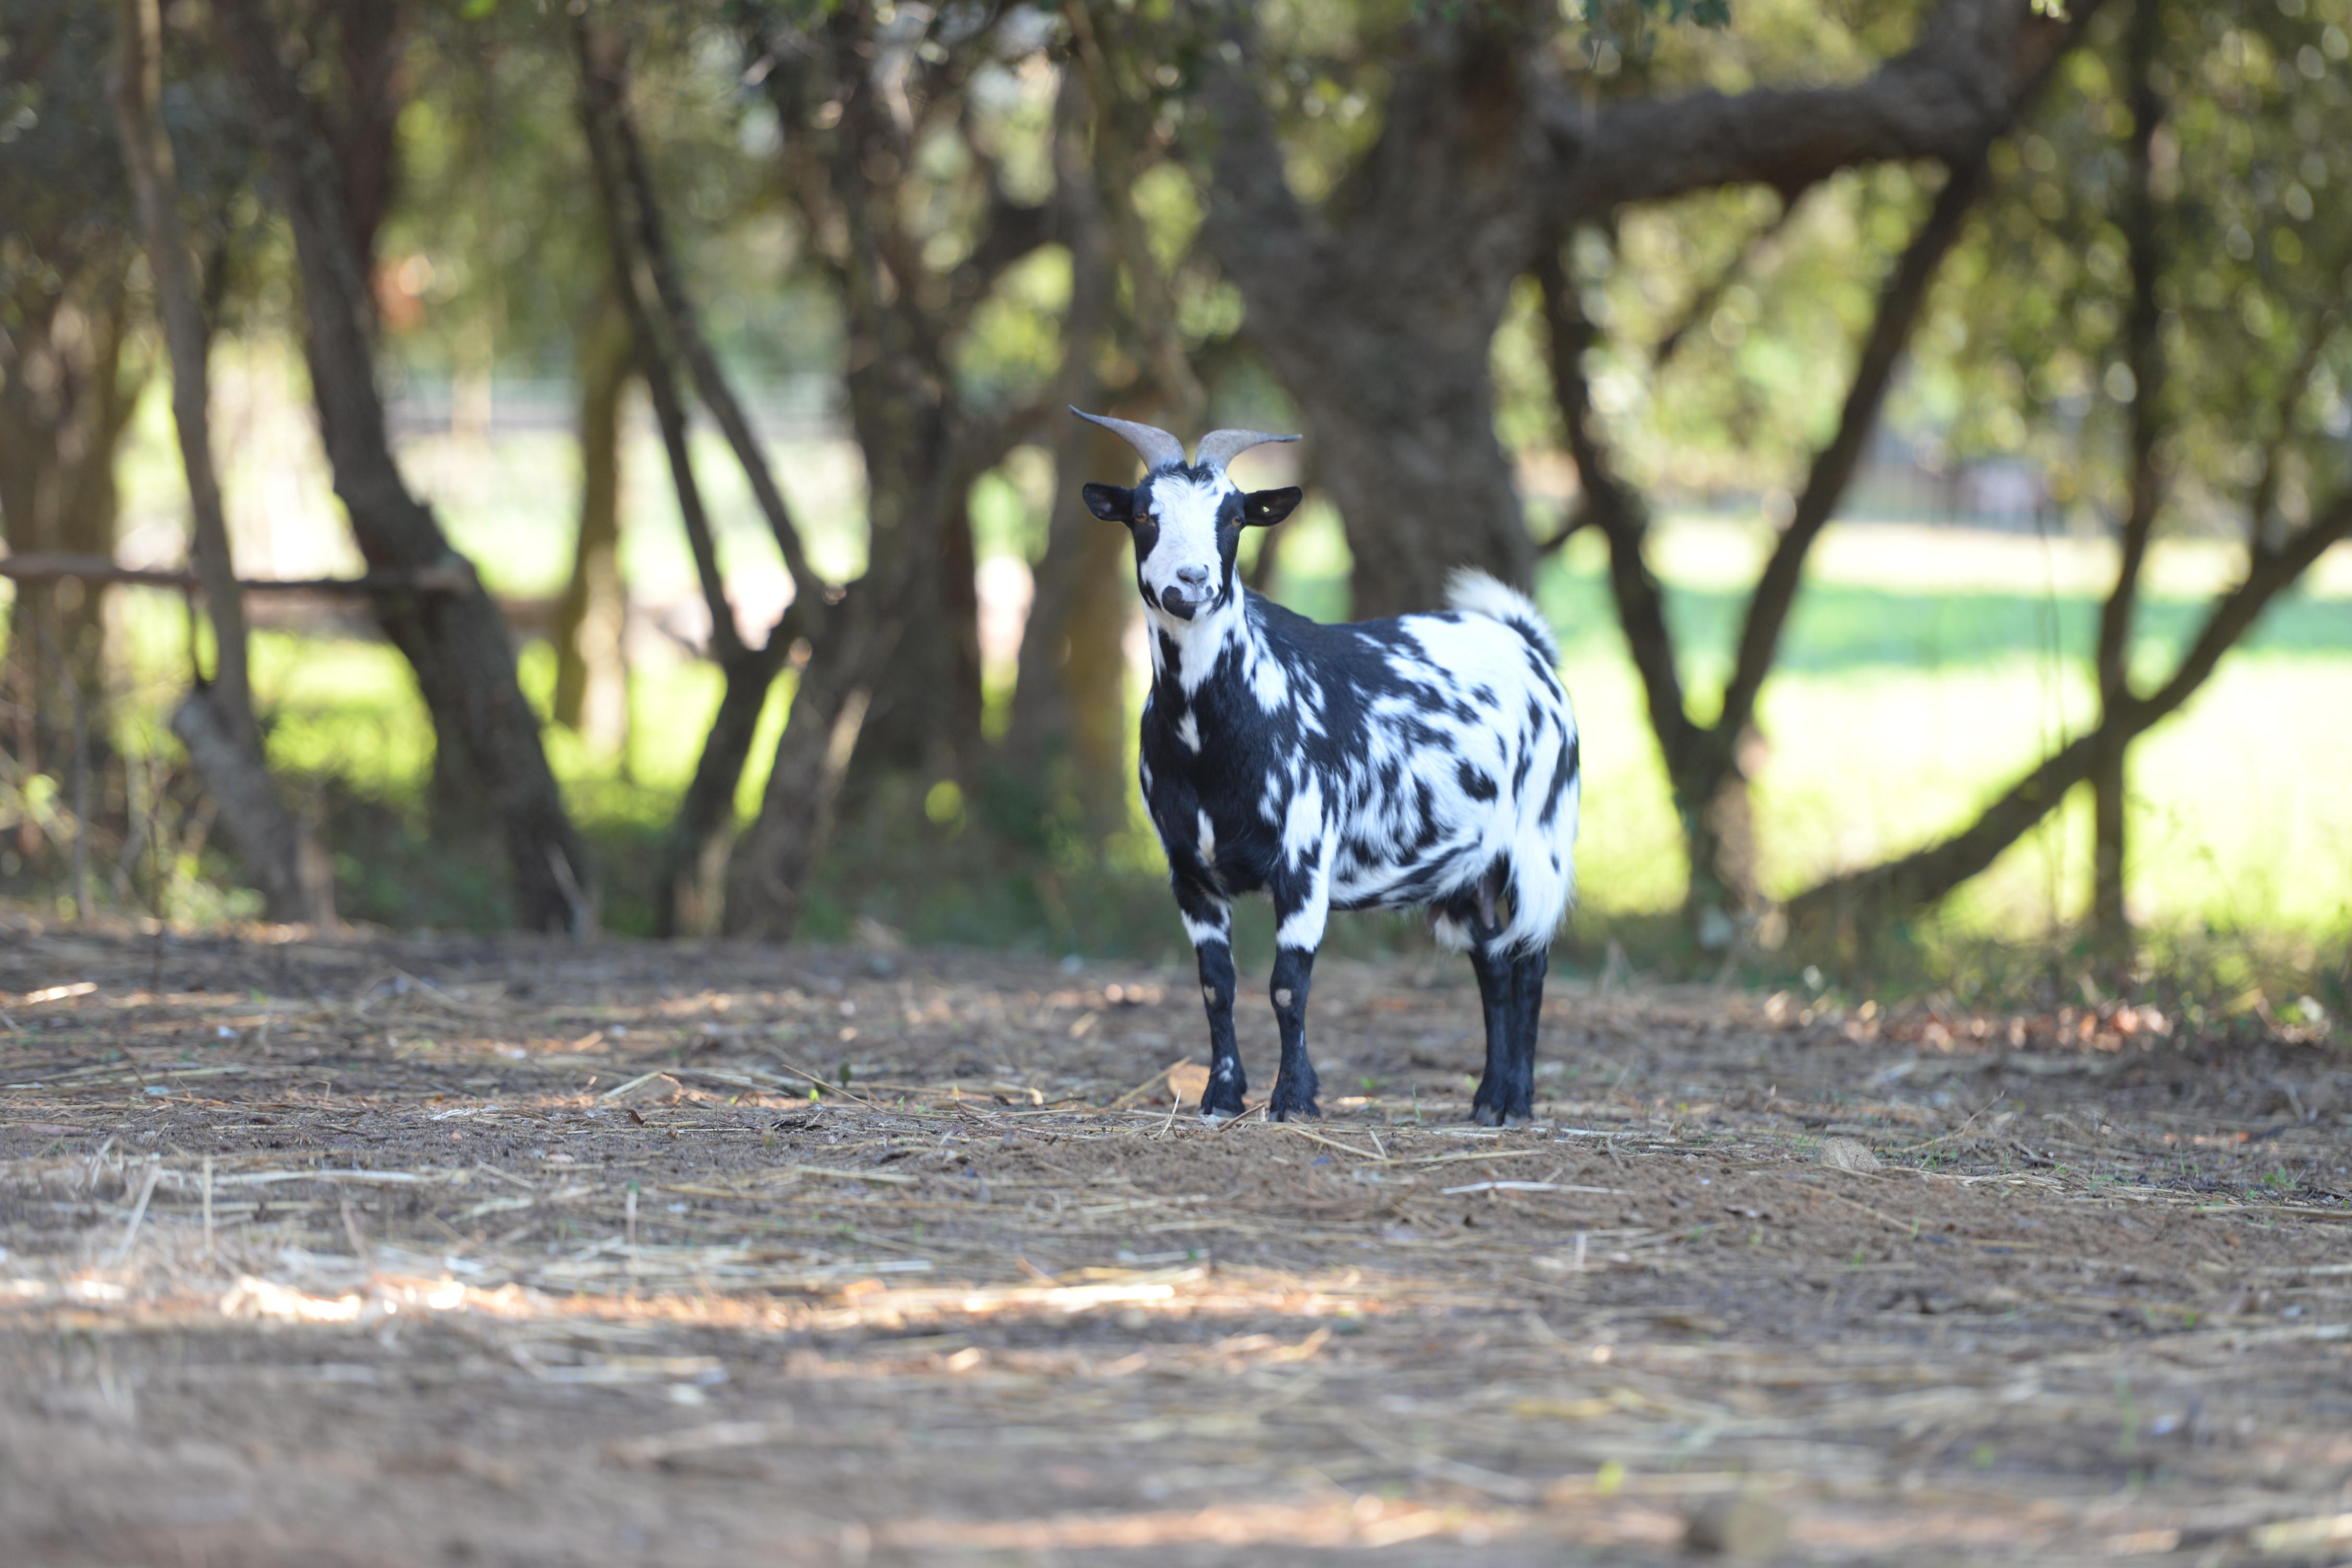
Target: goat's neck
column 1185, row 653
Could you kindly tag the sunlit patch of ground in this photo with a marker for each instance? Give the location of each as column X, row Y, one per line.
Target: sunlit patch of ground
column 387, row 1253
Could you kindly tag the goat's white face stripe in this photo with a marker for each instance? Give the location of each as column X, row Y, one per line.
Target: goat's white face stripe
column 1186, row 512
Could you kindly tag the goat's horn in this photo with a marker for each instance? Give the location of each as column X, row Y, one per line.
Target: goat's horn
column 1219, row 447
column 1159, row 449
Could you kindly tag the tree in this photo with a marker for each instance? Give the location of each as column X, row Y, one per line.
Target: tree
column 867, row 105
column 669, row 342
column 592, row 667
column 2144, row 361
column 2164, row 381
column 68, row 377
column 1705, row 761
column 456, row 643
column 1066, row 737
column 1377, row 305
column 215, row 721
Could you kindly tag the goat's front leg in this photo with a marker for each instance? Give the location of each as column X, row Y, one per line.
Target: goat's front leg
column 1302, row 902
column 1209, row 921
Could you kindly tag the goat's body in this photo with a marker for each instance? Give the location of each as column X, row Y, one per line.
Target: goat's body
column 1424, row 760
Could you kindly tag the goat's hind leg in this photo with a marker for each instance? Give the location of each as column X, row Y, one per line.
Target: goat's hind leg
column 1528, row 969
column 1505, row 1095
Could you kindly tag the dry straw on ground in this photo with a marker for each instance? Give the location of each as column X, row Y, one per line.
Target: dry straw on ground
column 390, row 1252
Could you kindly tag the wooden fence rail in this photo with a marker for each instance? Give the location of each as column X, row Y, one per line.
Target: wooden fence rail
column 50, row 568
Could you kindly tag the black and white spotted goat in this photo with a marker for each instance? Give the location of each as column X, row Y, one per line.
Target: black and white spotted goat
column 1424, row 760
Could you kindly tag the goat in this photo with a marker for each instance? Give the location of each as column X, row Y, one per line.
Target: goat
column 1427, row 760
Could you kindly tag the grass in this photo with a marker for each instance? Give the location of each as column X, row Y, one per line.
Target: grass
column 1922, row 670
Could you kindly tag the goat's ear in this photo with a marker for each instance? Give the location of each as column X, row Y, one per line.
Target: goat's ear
column 1109, row 502
column 1264, row 508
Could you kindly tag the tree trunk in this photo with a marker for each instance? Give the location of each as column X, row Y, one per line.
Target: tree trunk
column 857, row 650
column 691, row 897
column 892, row 677
column 1379, row 313
column 925, row 715
column 1398, row 395
column 216, row 723
column 1067, row 737
column 2144, row 351
column 458, row 644
column 64, row 403
column 767, row 875
column 592, row 670
column 282, row 856
column 666, row 329
column 1705, row 763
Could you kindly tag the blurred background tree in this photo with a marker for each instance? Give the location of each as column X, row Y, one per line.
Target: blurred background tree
column 1718, row 330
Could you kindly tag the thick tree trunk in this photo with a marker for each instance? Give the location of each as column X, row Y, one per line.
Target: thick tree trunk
column 216, row 723
column 458, row 644
column 64, row 403
column 1403, row 412
column 1067, row 737
column 592, row 670
column 924, row 718
column 1378, row 311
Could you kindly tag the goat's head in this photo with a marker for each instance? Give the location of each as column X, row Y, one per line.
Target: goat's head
column 1187, row 517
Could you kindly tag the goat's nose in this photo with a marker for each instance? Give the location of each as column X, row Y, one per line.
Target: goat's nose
column 1192, row 576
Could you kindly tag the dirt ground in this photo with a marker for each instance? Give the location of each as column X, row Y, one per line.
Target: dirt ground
column 397, row 1252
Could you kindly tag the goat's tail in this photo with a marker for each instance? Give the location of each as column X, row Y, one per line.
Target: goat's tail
column 1478, row 592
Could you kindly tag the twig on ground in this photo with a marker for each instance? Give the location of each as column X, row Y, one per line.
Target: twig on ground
column 139, row 1210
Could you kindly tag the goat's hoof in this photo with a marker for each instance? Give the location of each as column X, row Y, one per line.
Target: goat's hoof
column 1490, row 1116
column 1293, row 1108
column 1223, row 1107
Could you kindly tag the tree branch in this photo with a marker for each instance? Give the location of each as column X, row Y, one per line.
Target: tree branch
column 1960, row 85
column 605, row 82
column 1926, row 875
column 138, row 90
column 1612, row 506
column 656, row 349
column 1258, row 228
column 1703, row 303
column 1900, row 301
